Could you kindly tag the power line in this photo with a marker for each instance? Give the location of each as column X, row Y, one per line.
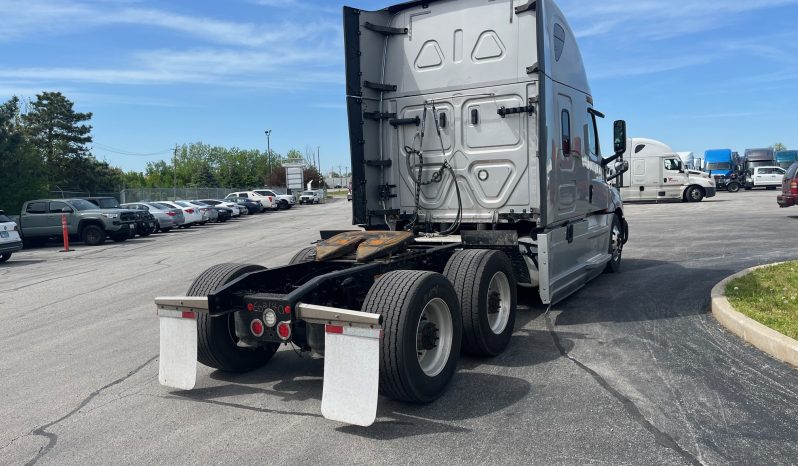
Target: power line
column 115, row 150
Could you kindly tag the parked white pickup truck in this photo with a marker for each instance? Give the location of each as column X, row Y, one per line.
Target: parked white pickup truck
column 765, row 177
column 281, row 201
column 268, row 201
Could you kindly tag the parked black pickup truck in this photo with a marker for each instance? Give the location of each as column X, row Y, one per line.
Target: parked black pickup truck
column 145, row 221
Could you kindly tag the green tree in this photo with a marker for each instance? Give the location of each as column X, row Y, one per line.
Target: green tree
column 61, row 136
column 779, row 147
column 21, row 168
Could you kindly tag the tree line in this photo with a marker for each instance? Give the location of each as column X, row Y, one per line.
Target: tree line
column 47, row 148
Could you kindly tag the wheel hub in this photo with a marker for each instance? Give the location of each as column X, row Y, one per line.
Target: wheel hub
column 427, row 337
column 494, row 302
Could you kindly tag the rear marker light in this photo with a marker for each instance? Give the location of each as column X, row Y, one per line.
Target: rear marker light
column 287, row 310
column 188, row 315
column 334, row 329
column 256, row 327
column 250, row 307
column 284, row 330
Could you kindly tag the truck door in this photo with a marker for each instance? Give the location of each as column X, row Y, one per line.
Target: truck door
column 33, row 220
column 55, row 211
column 760, row 177
column 673, row 182
column 566, row 163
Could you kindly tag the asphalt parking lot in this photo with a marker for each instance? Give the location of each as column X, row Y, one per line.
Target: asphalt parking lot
column 632, row 369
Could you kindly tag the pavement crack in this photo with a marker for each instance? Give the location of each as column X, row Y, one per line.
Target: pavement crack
column 661, row 437
column 52, row 438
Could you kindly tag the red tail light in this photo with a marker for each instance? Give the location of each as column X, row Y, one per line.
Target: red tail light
column 189, row 211
column 284, row 330
column 256, row 327
column 270, row 198
column 171, row 214
column 794, row 187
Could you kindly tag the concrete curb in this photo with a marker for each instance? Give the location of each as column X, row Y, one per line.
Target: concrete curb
column 766, row 339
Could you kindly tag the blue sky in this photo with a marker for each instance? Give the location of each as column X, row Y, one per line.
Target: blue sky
column 697, row 75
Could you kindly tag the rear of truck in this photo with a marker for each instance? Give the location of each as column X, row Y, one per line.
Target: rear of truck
column 459, row 201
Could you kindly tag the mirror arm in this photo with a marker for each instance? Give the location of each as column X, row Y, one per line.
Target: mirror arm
column 609, row 160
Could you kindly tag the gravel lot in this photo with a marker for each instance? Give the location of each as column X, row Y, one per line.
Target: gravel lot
column 632, row 369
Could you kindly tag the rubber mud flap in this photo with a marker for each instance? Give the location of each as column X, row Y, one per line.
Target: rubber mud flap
column 351, row 374
column 177, row 364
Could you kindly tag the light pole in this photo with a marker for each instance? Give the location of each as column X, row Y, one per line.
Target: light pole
column 269, row 151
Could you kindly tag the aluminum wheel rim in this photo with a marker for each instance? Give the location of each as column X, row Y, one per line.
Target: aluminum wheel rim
column 432, row 361
column 617, row 243
column 499, row 288
column 695, row 194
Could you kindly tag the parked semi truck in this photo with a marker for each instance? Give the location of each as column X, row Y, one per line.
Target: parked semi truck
column 722, row 166
column 658, row 174
column 785, row 158
column 751, row 159
column 476, row 170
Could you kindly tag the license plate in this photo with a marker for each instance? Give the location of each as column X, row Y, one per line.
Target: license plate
column 4, row 234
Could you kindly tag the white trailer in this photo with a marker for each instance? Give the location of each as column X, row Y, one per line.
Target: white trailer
column 475, row 169
column 657, row 173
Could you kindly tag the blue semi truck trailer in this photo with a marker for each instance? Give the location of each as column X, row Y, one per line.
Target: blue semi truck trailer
column 785, row 158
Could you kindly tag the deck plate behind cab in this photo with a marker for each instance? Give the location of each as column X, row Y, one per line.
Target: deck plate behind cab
column 369, row 244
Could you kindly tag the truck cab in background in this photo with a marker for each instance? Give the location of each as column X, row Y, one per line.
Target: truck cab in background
column 785, row 158
column 657, row 174
column 721, row 164
column 754, row 158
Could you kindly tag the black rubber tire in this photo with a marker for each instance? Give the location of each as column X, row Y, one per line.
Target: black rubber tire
column 614, row 265
column 733, row 187
column 4, row 257
column 304, row 255
column 145, row 231
column 118, row 238
column 92, row 235
column 216, row 342
column 695, row 194
column 282, row 205
column 400, row 297
column 470, row 271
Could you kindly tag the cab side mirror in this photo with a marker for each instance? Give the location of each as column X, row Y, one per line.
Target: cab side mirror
column 619, row 137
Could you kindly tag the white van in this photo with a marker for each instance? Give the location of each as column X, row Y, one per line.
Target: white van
column 657, row 173
column 268, row 202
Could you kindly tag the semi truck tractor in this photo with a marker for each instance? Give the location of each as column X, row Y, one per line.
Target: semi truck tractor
column 722, row 167
column 476, row 172
column 658, row 174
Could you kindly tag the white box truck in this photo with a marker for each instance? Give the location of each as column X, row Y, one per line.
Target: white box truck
column 475, row 169
column 657, row 173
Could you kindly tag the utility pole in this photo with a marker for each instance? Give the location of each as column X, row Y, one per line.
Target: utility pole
column 269, row 152
column 341, row 174
column 174, row 175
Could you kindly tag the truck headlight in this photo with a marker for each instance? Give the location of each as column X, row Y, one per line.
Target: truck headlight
column 111, row 215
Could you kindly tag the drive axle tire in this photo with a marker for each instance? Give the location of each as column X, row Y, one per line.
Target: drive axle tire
column 695, row 194
column 304, row 255
column 485, row 284
column 733, row 187
column 217, row 344
column 423, row 333
column 617, row 240
column 93, row 235
column 4, row 257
